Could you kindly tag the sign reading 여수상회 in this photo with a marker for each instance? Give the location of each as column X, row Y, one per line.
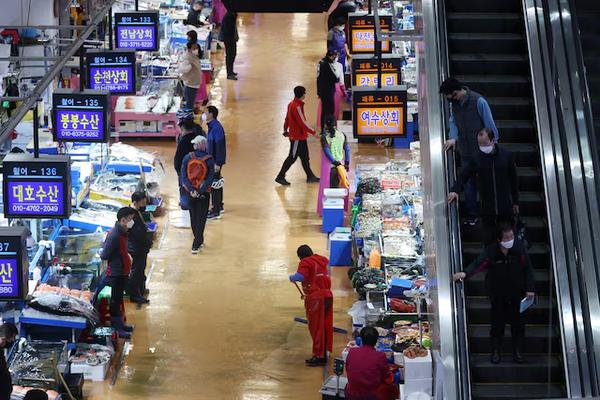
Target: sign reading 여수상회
column 112, row 70
column 137, row 30
column 379, row 113
column 14, row 266
column 81, row 116
column 36, row 187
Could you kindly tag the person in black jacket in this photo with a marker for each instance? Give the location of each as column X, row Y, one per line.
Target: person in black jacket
column 193, row 17
column 508, row 280
column 189, row 130
column 229, row 35
column 8, row 335
column 139, row 243
column 497, row 183
column 326, row 81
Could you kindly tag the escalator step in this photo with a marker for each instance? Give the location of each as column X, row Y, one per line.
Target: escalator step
column 502, row 43
column 517, row 391
column 526, row 154
column 497, row 64
column 475, row 286
column 537, row 339
column 535, row 369
column 478, row 311
column 497, row 85
column 475, row 22
column 538, row 253
column 478, row 6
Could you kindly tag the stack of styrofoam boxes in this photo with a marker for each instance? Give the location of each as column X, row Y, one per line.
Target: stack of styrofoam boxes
column 418, row 376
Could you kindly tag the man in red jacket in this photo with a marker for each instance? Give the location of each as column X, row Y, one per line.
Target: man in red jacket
column 297, row 129
column 318, row 302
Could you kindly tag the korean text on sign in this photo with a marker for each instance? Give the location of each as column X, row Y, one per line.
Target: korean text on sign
column 379, row 121
column 9, row 281
column 76, row 124
column 114, row 79
column 136, row 37
column 36, row 198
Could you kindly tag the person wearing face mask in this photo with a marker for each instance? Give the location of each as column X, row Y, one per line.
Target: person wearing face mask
column 139, row 243
column 115, row 251
column 190, row 72
column 8, row 336
column 509, row 278
column 326, row 84
column 469, row 114
column 336, row 41
column 494, row 169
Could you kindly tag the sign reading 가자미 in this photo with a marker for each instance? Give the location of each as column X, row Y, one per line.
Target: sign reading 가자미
column 81, row 116
column 14, row 266
column 364, row 70
column 111, row 70
column 137, row 30
column 362, row 33
column 379, row 112
column 36, row 187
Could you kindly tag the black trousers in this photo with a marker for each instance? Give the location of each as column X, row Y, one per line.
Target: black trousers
column 334, row 178
column 328, row 106
column 117, row 285
column 507, row 311
column 198, row 215
column 489, row 224
column 298, row 148
column 230, row 54
column 217, row 194
column 137, row 277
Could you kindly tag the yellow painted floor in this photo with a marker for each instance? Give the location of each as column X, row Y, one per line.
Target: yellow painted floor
column 220, row 324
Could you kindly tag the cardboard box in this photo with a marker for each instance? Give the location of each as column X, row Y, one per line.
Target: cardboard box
column 96, row 373
column 418, row 368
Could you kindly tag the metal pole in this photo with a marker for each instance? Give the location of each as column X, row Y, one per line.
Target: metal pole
column 49, row 77
column 110, row 29
column 82, row 76
column 137, row 5
column 370, row 7
column 36, row 133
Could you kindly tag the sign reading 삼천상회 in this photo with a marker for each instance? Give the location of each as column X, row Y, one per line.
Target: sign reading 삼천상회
column 36, row 187
column 137, row 30
column 81, row 116
column 14, row 266
column 379, row 113
column 112, row 70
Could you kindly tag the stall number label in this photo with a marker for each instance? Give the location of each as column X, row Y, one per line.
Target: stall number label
column 9, row 281
column 364, row 40
column 371, row 79
column 75, row 124
column 379, row 121
column 42, row 198
column 132, row 37
column 114, row 79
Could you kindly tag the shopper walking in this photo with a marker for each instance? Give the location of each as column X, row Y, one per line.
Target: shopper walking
column 196, row 178
column 229, row 35
column 140, row 243
column 495, row 172
column 115, row 251
column 189, row 130
column 296, row 129
column 336, row 41
column 326, row 83
column 217, row 148
column 469, row 114
column 509, row 279
column 369, row 373
column 190, row 72
column 8, row 335
column 318, row 302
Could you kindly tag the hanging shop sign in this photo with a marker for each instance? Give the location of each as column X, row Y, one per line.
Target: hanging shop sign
column 362, row 33
column 111, row 70
column 81, row 116
column 364, row 70
column 379, row 112
column 36, row 187
column 14, row 266
column 137, row 30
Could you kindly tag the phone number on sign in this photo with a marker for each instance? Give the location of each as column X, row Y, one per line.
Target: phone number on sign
column 34, row 208
column 6, row 290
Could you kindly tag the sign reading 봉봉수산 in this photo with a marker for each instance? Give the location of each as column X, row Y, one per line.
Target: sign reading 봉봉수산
column 81, row 116
column 137, row 30
column 36, row 187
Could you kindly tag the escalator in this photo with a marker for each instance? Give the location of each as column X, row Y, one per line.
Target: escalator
column 487, row 51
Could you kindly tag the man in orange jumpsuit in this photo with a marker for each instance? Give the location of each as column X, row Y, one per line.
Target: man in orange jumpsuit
column 318, row 302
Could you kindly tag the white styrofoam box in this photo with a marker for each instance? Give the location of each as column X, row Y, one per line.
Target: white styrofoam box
column 414, row 386
column 399, row 359
column 418, row 368
column 126, row 126
column 335, row 193
column 96, row 373
column 146, row 126
column 333, row 204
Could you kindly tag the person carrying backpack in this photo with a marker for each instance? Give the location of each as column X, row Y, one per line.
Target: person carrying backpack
column 196, row 178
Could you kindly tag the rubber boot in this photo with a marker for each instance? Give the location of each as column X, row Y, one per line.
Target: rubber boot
column 496, row 346
column 184, row 220
column 517, row 355
column 117, row 323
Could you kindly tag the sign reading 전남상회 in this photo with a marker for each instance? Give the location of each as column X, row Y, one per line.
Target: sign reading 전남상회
column 364, row 70
column 14, row 266
column 137, row 30
column 111, row 70
column 36, row 187
column 379, row 113
column 81, row 116
column 362, row 33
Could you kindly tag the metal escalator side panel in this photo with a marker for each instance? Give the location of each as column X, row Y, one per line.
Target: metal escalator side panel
column 555, row 189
